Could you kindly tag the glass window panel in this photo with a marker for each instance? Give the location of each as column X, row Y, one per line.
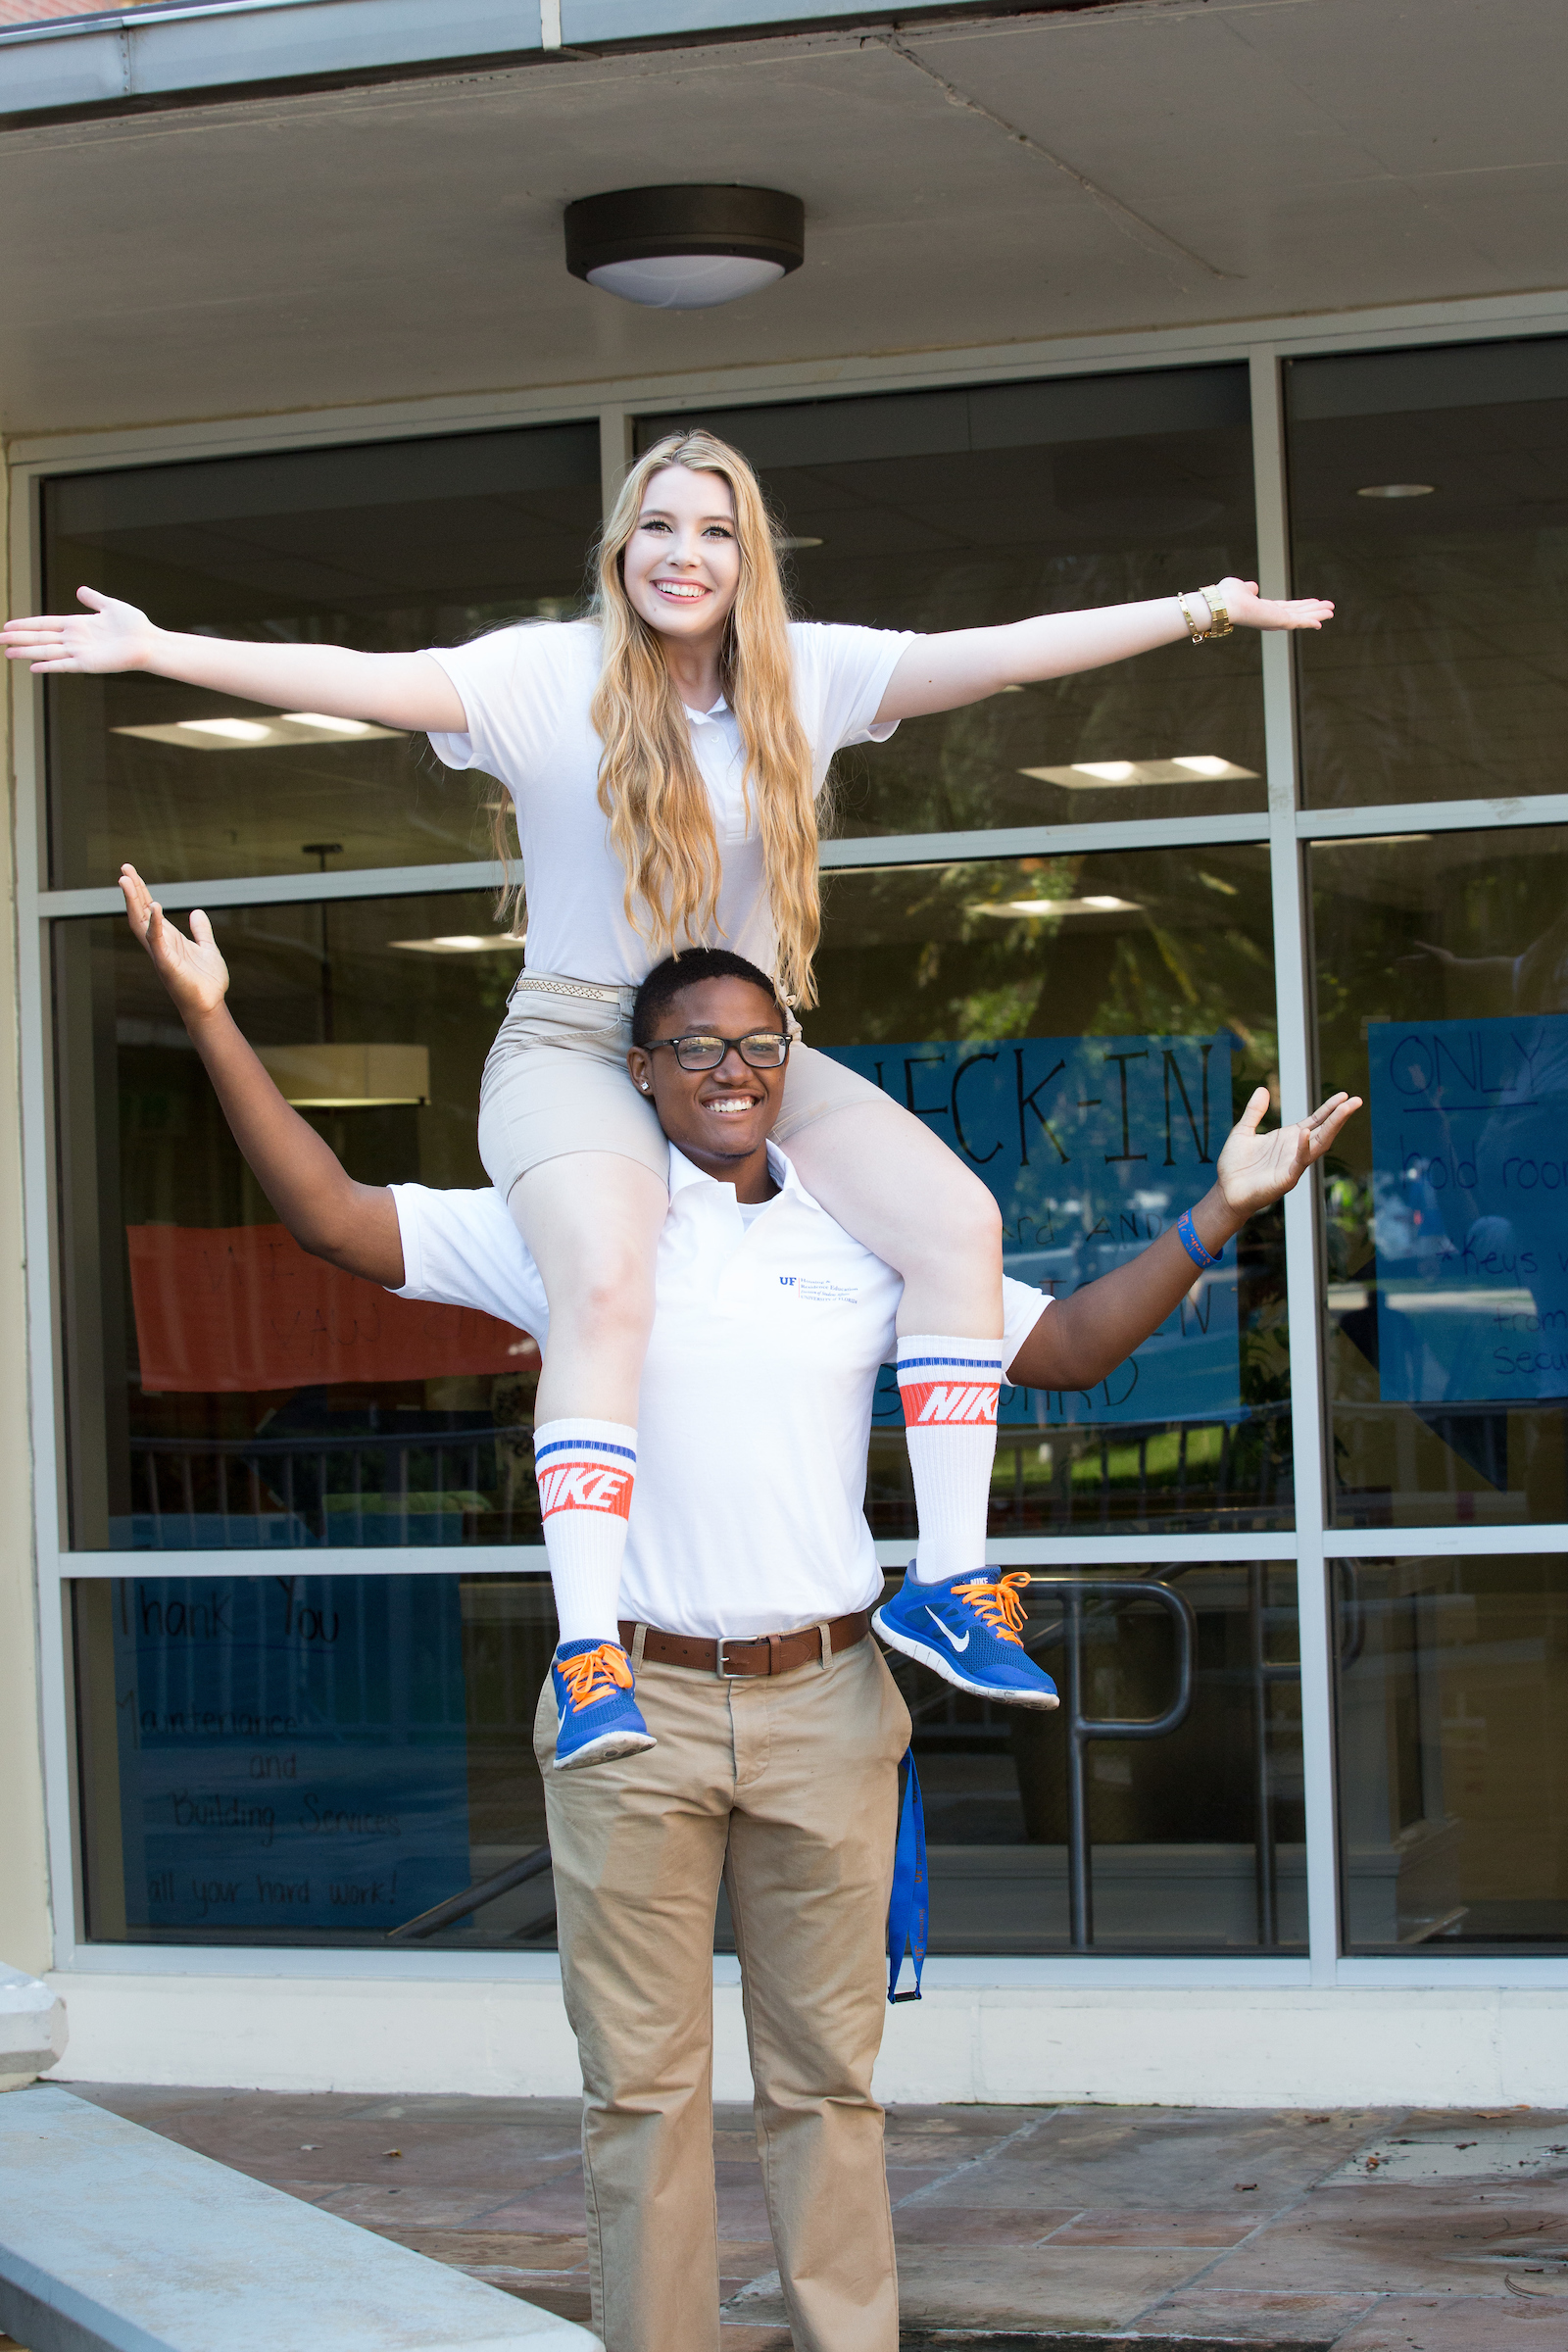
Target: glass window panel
column 1152, row 969
column 309, row 1759
column 1429, row 497
column 1452, row 1752
column 1195, row 1840
column 945, row 985
column 955, row 510
column 297, row 1760
column 266, row 1426
column 385, row 547
column 1443, row 997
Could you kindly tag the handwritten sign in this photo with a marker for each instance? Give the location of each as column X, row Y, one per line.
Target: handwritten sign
column 293, row 1750
column 1470, row 1208
column 1091, row 1147
column 243, row 1308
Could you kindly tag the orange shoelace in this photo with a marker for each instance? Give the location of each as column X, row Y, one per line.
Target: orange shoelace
column 593, row 1673
column 998, row 1600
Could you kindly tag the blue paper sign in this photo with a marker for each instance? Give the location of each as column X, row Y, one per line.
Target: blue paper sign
column 293, row 1749
column 1470, row 1208
column 1091, row 1147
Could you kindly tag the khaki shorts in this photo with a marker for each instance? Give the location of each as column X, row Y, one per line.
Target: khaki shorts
column 556, row 1081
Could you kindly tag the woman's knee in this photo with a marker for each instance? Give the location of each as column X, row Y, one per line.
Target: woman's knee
column 966, row 1225
column 608, row 1300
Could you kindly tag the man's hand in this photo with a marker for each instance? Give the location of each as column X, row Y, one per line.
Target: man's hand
column 108, row 636
column 1256, row 1170
column 191, row 969
column 1087, row 1334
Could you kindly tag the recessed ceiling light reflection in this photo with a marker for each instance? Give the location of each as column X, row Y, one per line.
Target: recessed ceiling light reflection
column 290, row 728
column 461, row 943
column 1014, row 909
column 326, row 723
column 1396, row 490
column 1187, row 767
column 232, row 730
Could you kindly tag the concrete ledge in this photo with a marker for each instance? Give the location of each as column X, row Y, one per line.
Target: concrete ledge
column 33, row 2029
column 115, row 2240
column 1267, row 2044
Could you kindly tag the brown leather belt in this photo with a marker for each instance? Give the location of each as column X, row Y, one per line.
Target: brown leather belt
column 757, row 1653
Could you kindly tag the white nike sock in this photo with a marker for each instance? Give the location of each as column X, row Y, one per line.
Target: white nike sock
column 948, row 1388
column 586, row 1470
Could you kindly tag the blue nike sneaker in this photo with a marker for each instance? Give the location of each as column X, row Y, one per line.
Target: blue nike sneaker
column 599, row 1718
column 966, row 1629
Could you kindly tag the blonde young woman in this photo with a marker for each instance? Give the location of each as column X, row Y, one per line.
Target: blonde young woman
column 664, row 757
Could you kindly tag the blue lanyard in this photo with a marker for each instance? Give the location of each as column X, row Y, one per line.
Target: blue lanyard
column 908, row 1907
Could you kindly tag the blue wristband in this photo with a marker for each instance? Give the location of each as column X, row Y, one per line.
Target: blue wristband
column 1187, row 1235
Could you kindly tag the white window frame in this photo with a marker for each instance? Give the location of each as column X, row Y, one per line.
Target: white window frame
column 1284, row 825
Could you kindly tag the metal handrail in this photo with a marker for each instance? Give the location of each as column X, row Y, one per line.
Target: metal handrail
column 473, row 1898
column 1082, row 1727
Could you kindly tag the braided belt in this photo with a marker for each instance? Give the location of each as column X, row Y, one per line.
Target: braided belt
column 572, row 988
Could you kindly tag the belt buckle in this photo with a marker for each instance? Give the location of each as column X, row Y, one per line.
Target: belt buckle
column 744, row 1641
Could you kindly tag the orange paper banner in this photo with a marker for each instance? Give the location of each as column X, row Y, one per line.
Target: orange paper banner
column 244, row 1307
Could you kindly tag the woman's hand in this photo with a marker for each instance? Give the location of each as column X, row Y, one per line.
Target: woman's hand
column 1249, row 610
column 108, row 636
column 191, row 969
column 1256, row 1170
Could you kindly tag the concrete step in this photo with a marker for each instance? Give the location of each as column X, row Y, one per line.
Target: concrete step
column 113, row 2239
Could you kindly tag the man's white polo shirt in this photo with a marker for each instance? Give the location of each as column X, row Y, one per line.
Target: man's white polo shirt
column 771, row 1325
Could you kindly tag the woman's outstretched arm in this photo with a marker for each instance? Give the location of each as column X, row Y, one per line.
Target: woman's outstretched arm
column 352, row 1225
column 955, row 667
column 393, row 690
column 1086, row 1335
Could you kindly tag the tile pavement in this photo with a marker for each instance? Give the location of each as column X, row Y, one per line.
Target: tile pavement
column 1034, row 2229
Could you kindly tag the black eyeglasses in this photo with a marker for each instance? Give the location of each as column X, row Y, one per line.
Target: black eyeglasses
column 763, row 1049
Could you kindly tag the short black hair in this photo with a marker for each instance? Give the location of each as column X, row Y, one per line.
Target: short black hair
column 688, row 970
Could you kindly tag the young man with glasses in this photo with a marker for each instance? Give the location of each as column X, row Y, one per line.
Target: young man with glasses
column 766, row 1751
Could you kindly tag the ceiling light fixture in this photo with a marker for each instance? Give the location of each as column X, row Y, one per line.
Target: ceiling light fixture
column 1397, row 490
column 333, row 1077
column 685, row 248
column 232, row 730
column 326, row 723
column 290, row 729
column 1012, row 909
column 1095, row 776
column 461, row 943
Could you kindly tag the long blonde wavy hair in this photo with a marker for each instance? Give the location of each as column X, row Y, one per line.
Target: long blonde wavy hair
column 650, row 786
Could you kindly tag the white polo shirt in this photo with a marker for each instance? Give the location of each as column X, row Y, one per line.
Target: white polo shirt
column 770, row 1326
column 527, row 692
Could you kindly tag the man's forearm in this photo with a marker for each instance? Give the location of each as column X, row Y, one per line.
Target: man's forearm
column 353, row 1225
column 1086, row 1335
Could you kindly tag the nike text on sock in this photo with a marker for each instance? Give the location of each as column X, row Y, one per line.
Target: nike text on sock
column 586, row 1471
column 948, row 1388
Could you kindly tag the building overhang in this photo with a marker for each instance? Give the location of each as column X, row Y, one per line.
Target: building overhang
column 215, row 237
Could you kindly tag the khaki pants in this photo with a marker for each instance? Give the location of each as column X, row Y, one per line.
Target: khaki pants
column 788, row 1788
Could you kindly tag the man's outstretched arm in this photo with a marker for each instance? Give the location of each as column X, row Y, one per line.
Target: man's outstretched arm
column 352, row 1225
column 1086, row 1335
